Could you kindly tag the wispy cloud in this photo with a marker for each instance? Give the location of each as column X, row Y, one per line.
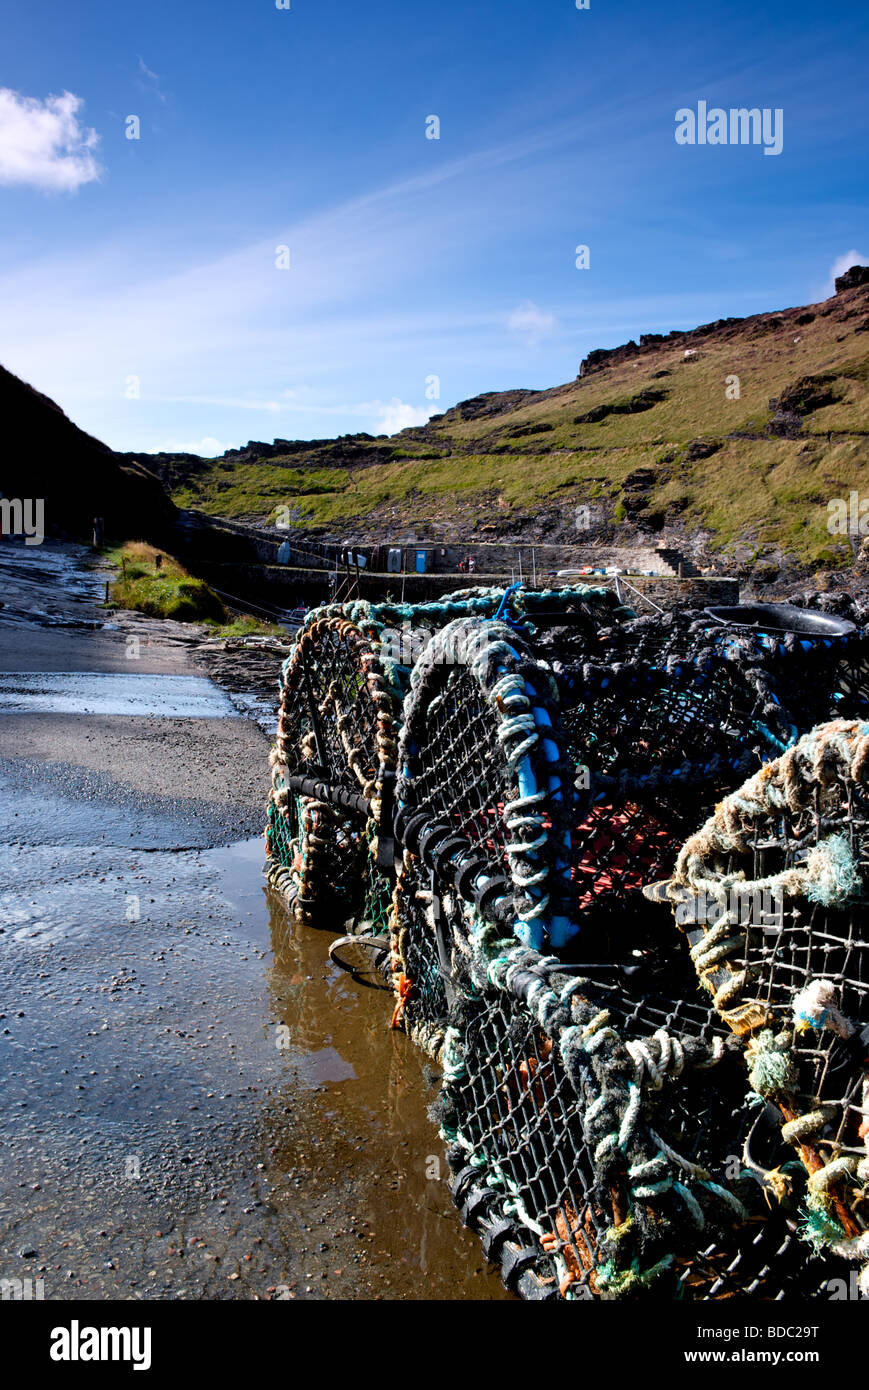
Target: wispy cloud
column 42, row 143
column 397, row 416
column 388, row 417
column 531, row 322
column 220, row 337
column 206, row 448
column 152, row 80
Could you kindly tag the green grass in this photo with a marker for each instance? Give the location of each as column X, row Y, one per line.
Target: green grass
column 168, row 591
column 248, row 626
column 246, row 489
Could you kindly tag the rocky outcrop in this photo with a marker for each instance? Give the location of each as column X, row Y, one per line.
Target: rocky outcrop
column 756, row 325
column 480, row 407
column 643, row 400
column 799, row 399
column 852, row 279
column 608, row 357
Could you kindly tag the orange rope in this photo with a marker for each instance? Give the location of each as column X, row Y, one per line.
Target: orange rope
column 403, row 988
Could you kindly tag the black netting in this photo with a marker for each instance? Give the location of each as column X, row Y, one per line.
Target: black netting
column 458, row 772
column 519, row 1113
column 420, row 974
column 679, row 730
column 673, row 712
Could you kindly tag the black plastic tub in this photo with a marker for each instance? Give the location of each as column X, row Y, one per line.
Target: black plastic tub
column 782, row 617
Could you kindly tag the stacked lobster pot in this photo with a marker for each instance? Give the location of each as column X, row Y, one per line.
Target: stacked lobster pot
column 479, row 804
column 330, row 836
column 772, row 896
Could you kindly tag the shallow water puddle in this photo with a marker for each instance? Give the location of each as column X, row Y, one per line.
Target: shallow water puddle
column 239, row 877
column 87, row 692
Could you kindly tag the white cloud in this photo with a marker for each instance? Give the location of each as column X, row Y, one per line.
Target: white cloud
column 42, row 143
column 396, row 416
column 207, row 448
column 533, row 323
column 843, row 263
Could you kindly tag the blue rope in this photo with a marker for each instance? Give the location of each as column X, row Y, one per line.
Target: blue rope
column 501, row 615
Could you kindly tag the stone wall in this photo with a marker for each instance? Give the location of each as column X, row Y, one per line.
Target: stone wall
column 680, row 593
column 215, row 539
column 284, row 587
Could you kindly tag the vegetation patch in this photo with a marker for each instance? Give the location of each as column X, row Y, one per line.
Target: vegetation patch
column 154, row 583
column 150, row 581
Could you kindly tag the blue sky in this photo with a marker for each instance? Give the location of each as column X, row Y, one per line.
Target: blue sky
column 155, row 259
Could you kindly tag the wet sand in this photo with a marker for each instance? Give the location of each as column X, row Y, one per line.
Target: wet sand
column 197, row 1104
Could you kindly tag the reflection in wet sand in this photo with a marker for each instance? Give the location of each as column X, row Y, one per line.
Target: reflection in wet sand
column 369, row 1149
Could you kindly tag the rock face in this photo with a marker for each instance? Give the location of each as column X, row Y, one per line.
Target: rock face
column 719, row 328
column 643, row 400
column 47, row 456
column 489, row 403
column 852, row 279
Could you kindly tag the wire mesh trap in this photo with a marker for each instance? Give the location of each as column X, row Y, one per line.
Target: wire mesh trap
column 593, row 1147
column 427, row 791
column 772, row 895
column 673, row 712
column 333, row 768
column 485, row 793
column 598, row 1164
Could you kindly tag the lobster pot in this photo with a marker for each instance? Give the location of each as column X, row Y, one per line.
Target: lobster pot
column 823, row 634
column 593, row 1102
column 592, row 1146
column 657, row 739
column 485, row 795
column 579, row 1109
column 772, row 893
column 334, row 761
column 332, row 774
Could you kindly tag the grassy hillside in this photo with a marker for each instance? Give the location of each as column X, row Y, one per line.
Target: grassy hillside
column 739, row 432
